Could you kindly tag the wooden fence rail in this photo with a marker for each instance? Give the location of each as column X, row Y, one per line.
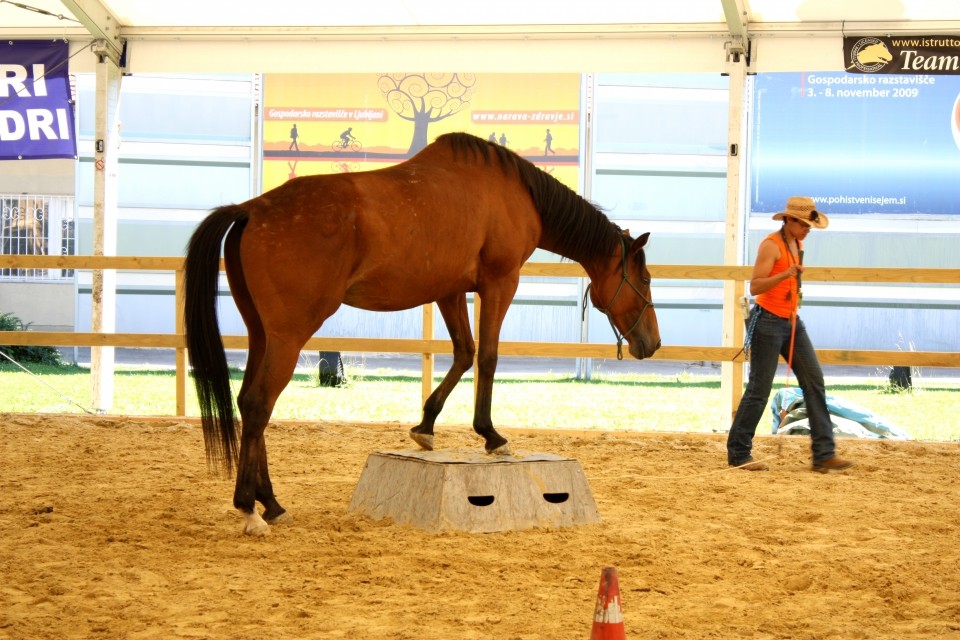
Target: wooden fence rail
column 427, row 347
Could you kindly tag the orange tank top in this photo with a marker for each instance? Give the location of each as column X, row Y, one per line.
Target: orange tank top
column 782, row 299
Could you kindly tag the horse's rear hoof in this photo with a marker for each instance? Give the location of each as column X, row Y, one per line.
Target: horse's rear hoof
column 281, row 518
column 502, row 450
column 424, row 440
column 254, row 525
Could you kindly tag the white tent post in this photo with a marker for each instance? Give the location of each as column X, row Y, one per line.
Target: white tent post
column 105, row 186
column 731, row 373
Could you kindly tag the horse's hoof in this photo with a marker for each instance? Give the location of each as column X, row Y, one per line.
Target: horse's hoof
column 255, row 525
column 502, row 450
column 424, row 440
column 281, row 518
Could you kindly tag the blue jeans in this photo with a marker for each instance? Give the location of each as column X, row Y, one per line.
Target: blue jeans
column 771, row 339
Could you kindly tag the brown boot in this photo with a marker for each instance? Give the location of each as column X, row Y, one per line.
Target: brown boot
column 752, row 465
column 835, row 463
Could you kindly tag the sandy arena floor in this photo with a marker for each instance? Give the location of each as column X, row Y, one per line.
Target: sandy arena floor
column 113, row 529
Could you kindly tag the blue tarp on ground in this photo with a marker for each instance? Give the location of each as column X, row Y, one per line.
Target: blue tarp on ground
column 848, row 419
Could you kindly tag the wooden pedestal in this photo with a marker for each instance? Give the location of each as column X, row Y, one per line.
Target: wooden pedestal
column 473, row 491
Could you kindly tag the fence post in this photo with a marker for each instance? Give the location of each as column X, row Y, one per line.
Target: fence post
column 476, row 334
column 731, row 373
column 181, row 350
column 426, row 376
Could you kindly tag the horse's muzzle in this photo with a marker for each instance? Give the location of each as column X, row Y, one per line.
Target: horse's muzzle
column 640, row 350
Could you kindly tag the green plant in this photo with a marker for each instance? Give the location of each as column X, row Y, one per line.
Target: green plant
column 21, row 354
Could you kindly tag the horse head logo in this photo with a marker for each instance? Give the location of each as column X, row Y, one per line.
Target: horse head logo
column 869, row 55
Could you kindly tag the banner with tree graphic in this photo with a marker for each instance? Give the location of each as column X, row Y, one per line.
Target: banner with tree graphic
column 339, row 123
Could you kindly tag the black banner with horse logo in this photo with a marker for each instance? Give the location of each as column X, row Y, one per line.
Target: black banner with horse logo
column 927, row 55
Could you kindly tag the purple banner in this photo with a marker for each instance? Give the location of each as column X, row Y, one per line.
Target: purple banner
column 36, row 110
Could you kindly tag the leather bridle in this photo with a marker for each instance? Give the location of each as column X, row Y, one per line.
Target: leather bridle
column 648, row 303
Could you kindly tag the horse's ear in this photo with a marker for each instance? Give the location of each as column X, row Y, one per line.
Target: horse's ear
column 640, row 242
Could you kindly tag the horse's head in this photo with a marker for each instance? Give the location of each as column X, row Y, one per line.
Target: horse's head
column 873, row 54
column 622, row 293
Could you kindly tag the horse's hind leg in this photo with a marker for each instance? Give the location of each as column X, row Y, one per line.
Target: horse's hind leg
column 273, row 513
column 256, row 350
column 261, row 388
column 454, row 312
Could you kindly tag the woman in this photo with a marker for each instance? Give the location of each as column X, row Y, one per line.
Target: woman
column 774, row 329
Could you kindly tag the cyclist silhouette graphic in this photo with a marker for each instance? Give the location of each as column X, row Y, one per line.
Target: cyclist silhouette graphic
column 346, row 142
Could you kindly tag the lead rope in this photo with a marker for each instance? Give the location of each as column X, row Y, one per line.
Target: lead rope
column 616, row 333
column 44, row 382
column 793, row 317
column 793, row 324
column 751, row 321
column 586, row 293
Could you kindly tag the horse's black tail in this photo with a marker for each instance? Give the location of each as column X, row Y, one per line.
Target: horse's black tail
column 204, row 343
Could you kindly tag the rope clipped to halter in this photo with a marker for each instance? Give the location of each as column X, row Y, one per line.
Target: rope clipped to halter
column 748, row 335
column 606, row 311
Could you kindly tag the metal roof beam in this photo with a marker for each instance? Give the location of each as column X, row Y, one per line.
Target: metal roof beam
column 101, row 24
column 735, row 11
column 416, row 32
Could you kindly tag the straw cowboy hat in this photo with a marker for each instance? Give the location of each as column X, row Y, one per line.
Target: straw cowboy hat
column 803, row 208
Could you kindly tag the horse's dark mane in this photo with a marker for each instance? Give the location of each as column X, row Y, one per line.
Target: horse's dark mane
column 572, row 226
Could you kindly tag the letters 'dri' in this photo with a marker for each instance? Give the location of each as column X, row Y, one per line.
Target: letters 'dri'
column 33, row 123
column 36, row 106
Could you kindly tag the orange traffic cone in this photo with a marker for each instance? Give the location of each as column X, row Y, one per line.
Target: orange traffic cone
column 607, row 616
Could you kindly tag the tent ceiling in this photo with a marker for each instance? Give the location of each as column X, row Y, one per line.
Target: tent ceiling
column 149, row 16
column 529, row 35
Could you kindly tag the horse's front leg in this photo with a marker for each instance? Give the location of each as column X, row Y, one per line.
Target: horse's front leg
column 454, row 313
column 492, row 312
column 482, row 420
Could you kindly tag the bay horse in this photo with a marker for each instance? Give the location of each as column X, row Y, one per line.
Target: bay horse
column 462, row 215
